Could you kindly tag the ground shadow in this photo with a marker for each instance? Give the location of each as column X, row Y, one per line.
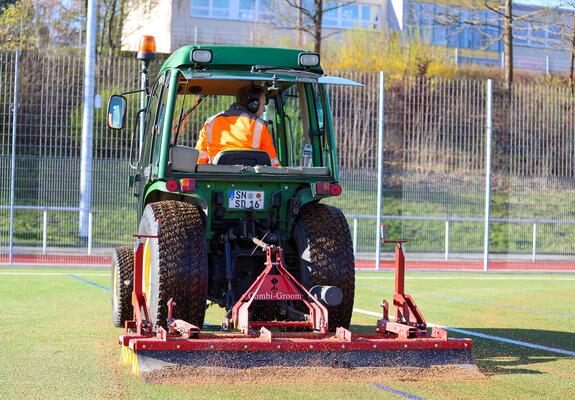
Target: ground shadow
column 498, row 358
column 494, row 357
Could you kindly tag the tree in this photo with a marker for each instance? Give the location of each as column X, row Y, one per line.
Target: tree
column 563, row 18
column 396, row 54
column 308, row 18
column 38, row 25
column 18, row 25
column 55, row 25
column 6, row 3
column 572, row 57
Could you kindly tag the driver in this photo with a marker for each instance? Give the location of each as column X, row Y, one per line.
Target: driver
column 238, row 128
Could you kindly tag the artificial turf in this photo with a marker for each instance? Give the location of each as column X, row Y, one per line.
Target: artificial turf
column 57, row 339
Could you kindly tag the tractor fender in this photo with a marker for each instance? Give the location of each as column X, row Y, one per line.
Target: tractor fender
column 304, row 196
column 157, row 191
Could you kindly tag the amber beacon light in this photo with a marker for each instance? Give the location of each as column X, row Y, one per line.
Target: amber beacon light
column 147, row 48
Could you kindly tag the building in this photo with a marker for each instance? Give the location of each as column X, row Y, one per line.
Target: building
column 539, row 41
column 538, row 45
column 246, row 21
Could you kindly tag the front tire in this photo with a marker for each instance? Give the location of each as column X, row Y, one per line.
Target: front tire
column 175, row 263
column 326, row 255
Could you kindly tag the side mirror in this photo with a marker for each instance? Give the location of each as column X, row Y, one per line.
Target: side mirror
column 117, row 112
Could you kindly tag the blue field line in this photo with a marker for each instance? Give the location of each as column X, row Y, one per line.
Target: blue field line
column 488, row 303
column 405, row 395
column 214, row 327
column 90, row 282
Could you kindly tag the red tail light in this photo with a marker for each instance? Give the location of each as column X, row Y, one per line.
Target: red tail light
column 335, row 189
column 328, row 188
column 188, row 184
column 172, row 185
column 322, row 188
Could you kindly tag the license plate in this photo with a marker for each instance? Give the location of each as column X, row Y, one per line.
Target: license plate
column 246, row 200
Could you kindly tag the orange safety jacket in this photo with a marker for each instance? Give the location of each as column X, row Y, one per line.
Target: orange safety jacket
column 234, row 129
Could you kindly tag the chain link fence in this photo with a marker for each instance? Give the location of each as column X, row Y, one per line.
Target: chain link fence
column 434, row 166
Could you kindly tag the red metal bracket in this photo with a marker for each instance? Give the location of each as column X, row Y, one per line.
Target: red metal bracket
column 275, row 283
column 409, row 321
column 180, row 327
column 141, row 322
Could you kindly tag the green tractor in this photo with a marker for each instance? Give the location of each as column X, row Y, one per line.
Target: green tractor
column 197, row 221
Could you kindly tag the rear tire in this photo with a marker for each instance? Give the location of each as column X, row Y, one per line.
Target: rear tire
column 326, row 256
column 174, row 264
column 122, row 285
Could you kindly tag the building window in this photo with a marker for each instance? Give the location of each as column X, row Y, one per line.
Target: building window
column 445, row 26
column 211, row 8
column 220, row 8
column 246, row 10
column 521, row 33
column 351, row 16
column 536, row 35
column 200, row 8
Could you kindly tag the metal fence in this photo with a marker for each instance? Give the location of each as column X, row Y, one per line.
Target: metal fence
column 434, row 176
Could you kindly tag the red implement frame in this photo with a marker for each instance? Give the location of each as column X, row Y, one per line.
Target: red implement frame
column 406, row 332
column 409, row 322
column 275, row 283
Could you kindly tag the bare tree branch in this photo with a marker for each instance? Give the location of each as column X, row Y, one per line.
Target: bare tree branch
column 312, row 23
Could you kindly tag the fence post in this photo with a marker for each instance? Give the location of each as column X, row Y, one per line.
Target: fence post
column 446, row 240
column 44, row 230
column 355, row 223
column 88, row 121
column 488, row 134
column 90, row 225
column 379, row 171
column 13, row 161
column 534, row 241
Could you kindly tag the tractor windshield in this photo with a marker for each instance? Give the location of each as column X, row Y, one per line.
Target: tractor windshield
column 294, row 115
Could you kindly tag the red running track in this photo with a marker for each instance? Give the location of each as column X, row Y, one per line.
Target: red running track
column 67, row 259
column 437, row 265
column 471, row 265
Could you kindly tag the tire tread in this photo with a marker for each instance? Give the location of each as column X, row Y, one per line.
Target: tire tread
column 331, row 255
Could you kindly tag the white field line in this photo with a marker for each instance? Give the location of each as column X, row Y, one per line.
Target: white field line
column 18, row 273
column 471, row 278
column 484, row 336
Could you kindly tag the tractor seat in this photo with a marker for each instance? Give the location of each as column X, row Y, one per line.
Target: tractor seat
column 242, row 157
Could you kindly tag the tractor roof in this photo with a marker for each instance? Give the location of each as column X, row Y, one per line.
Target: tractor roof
column 239, row 58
